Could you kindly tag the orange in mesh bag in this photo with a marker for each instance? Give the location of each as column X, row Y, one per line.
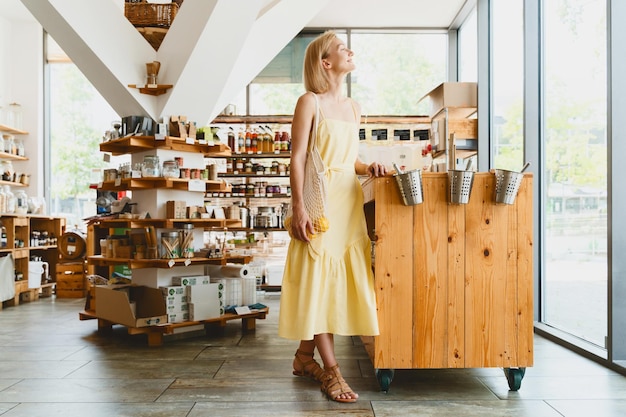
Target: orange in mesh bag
column 314, row 187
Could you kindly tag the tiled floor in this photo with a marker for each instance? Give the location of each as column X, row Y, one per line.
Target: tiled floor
column 52, row 364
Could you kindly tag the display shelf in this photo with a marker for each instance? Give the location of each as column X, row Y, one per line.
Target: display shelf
column 12, row 130
column 134, row 144
column 146, row 183
column 251, row 175
column 12, row 183
column 156, row 333
column 18, row 232
column 168, row 223
column 265, row 155
column 11, row 157
column 99, row 260
column 285, row 119
column 152, row 89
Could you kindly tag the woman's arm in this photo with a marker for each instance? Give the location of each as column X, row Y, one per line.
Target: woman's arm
column 302, row 123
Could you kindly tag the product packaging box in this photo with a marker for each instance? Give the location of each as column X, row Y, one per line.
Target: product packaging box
column 175, row 209
column 452, row 95
column 205, row 301
column 191, row 280
column 115, row 305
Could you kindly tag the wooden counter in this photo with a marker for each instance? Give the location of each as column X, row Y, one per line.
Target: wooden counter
column 454, row 283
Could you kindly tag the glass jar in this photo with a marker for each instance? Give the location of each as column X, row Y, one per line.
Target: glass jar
column 10, row 200
column 170, row 169
column 9, row 144
column 151, row 166
column 8, row 173
column 19, row 147
column 21, row 202
column 170, row 245
column 3, row 201
column 14, row 116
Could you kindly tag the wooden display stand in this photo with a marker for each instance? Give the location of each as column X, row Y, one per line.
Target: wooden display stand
column 454, row 283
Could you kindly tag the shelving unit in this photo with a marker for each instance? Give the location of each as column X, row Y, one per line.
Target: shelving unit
column 19, row 228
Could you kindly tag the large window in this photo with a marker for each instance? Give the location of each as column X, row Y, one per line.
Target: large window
column 394, row 70
column 575, row 149
column 77, row 119
column 508, row 84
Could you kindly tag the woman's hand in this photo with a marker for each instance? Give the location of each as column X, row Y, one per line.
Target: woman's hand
column 376, row 169
column 301, row 225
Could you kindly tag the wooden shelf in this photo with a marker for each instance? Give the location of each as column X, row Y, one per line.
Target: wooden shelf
column 12, row 184
column 134, row 144
column 260, row 155
column 10, row 156
column 12, row 130
column 99, row 260
column 287, row 119
column 155, row 333
column 152, row 89
column 168, row 223
column 146, row 183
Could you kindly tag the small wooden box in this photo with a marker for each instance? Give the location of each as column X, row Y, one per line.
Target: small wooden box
column 70, row 280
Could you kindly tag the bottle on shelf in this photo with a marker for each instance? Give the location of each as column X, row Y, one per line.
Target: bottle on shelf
column 21, row 202
column 241, row 142
column 3, row 236
column 248, row 143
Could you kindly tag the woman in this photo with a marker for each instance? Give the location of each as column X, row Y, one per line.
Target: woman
column 328, row 285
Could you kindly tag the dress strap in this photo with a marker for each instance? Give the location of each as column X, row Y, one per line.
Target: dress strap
column 354, row 111
column 321, row 113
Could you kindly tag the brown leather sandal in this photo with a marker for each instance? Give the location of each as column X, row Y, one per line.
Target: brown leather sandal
column 309, row 369
column 334, row 385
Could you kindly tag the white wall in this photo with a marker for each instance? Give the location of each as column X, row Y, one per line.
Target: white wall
column 21, row 81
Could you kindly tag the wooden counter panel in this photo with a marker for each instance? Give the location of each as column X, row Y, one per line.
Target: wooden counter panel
column 430, row 258
column 454, row 283
column 394, row 282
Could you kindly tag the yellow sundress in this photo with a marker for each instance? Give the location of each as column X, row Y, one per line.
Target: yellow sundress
column 328, row 284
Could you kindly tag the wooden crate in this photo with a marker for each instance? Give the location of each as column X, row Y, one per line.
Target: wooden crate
column 70, row 280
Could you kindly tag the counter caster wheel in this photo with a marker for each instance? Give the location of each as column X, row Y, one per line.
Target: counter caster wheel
column 514, row 377
column 384, row 377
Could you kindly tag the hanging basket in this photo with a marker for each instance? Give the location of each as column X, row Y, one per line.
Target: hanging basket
column 146, row 14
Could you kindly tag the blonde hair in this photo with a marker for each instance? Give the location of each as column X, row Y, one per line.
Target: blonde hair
column 315, row 78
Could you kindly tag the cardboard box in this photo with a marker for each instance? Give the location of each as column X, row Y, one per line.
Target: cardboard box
column 191, row 280
column 452, row 95
column 176, row 209
column 114, row 305
column 178, row 317
column 205, row 302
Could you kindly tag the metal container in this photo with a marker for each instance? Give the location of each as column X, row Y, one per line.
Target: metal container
column 507, row 186
column 410, row 186
column 460, row 186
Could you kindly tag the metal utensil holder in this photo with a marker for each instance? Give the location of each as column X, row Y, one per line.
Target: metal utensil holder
column 410, row 186
column 507, row 186
column 460, row 186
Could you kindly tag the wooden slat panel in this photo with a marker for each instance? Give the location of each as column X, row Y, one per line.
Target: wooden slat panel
column 455, row 337
column 482, row 289
column 525, row 273
column 394, row 285
column 510, row 308
column 430, row 258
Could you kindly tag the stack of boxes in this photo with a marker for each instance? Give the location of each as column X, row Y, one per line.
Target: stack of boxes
column 193, row 298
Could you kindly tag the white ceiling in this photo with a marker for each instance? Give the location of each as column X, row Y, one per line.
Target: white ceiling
column 424, row 14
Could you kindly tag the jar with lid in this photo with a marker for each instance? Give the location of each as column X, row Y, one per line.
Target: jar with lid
column 8, row 173
column 21, row 202
column 14, row 116
column 170, row 169
column 9, row 144
column 3, row 201
column 151, row 166
column 170, row 245
column 10, row 200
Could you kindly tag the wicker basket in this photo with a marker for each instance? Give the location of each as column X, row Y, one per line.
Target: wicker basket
column 150, row 14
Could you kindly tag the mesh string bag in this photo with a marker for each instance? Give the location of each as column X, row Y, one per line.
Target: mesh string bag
column 314, row 187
